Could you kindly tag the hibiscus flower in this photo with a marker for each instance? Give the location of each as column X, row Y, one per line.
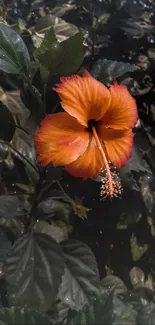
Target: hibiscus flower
column 93, row 133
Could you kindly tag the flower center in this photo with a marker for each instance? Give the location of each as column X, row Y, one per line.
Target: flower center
column 91, row 123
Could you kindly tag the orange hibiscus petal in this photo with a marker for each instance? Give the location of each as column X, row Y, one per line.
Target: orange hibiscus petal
column 123, row 110
column 84, row 98
column 60, row 140
column 90, row 164
column 118, row 144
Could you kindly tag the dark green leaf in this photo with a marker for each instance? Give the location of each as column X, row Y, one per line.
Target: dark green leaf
column 107, row 308
column 53, row 314
column 102, row 312
column 146, row 315
column 136, row 298
column 25, row 151
column 4, row 150
column 61, row 28
column 33, row 271
column 1, row 8
column 128, row 219
column 14, row 56
column 50, row 207
column 53, row 173
column 12, row 100
column 103, row 18
column 44, row 24
column 62, row 312
column 112, row 284
column 63, row 9
column 81, row 278
column 137, row 251
column 151, row 53
column 24, row 316
column 9, row 205
column 136, row 163
column 48, row 41
column 107, row 70
column 15, row 225
column 137, row 277
column 63, row 58
column 49, row 29
column 57, row 231
column 19, row 26
column 146, row 191
column 7, row 128
column 5, row 244
column 132, row 28
column 31, row 98
column 128, row 180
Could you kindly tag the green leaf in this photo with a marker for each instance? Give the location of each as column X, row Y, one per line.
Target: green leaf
column 63, row 58
column 51, row 207
column 14, row 225
column 8, row 206
column 62, row 312
column 24, row 316
column 53, row 173
column 61, row 28
column 136, row 163
column 14, row 56
column 33, row 271
column 107, row 308
column 146, row 191
column 48, row 41
column 132, row 27
column 137, row 251
column 7, row 128
column 62, row 9
column 5, row 244
column 128, row 218
column 137, row 277
column 81, row 278
column 104, row 311
column 53, row 314
column 31, row 98
column 49, row 29
column 1, row 10
column 151, row 53
column 136, row 298
column 112, row 284
column 25, row 151
column 146, row 315
column 53, row 229
column 103, row 18
column 107, row 70
column 19, row 26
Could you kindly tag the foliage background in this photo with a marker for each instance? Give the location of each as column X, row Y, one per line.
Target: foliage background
column 57, row 266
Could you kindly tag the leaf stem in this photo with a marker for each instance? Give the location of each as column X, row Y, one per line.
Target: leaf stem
column 23, row 157
column 19, row 127
column 93, row 29
column 56, row 106
column 63, row 191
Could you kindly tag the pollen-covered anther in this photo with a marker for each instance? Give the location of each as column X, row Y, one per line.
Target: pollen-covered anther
column 116, row 183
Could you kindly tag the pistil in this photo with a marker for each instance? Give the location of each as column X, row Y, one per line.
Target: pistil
column 109, row 185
